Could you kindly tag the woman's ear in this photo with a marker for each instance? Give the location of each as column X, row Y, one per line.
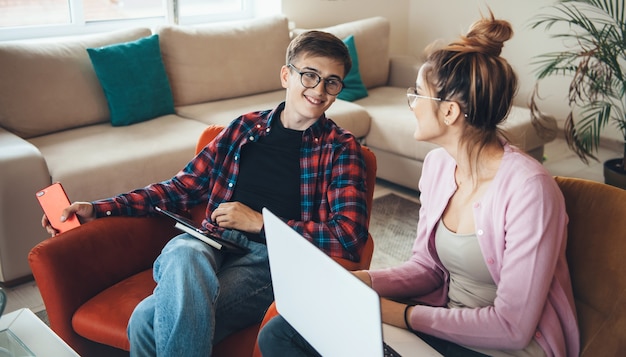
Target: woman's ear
column 284, row 76
column 451, row 112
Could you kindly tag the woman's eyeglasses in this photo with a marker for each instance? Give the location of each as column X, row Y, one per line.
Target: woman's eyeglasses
column 412, row 96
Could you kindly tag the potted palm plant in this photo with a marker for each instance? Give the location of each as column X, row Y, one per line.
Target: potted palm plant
column 595, row 59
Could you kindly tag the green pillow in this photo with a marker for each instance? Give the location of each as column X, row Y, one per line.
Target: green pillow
column 134, row 81
column 354, row 88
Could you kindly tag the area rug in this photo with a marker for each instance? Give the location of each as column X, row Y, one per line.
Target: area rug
column 393, row 226
column 43, row 316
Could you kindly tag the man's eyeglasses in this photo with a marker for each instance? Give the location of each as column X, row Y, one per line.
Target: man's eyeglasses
column 412, row 96
column 311, row 79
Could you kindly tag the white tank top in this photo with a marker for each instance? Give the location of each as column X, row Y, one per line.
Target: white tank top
column 471, row 285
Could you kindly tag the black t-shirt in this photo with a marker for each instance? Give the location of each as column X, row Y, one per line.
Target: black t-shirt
column 269, row 173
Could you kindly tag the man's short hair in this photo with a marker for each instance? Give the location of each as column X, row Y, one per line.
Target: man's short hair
column 319, row 44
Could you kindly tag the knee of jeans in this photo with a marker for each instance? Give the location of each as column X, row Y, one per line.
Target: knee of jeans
column 142, row 317
column 264, row 337
column 183, row 263
column 271, row 330
column 182, row 244
column 185, row 252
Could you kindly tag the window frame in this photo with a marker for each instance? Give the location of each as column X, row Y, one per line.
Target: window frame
column 80, row 27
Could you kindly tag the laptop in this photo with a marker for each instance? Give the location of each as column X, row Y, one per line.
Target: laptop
column 332, row 309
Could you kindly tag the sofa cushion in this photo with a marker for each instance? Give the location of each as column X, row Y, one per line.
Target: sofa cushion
column 219, row 61
column 50, row 85
column 519, row 130
column 100, row 160
column 351, row 117
column 133, row 78
column 354, row 88
column 347, row 115
column 222, row 112
column 393, row 124
column 371, row 37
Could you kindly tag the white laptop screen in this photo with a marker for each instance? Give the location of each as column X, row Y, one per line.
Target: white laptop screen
column 333, row 310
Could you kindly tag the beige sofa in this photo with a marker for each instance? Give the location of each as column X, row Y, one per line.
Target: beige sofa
column 54, row 116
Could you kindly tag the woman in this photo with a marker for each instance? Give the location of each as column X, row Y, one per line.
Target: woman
column 488, row 273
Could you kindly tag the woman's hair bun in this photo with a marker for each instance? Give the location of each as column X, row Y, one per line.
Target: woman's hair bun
column 486, row 36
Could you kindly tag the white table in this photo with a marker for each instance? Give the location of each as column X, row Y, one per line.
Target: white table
column 35, row 334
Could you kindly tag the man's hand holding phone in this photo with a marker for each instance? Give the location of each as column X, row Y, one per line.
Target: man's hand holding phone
column 83, row 210
column 59, row 215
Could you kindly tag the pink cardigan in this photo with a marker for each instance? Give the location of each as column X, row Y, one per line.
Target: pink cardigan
column 521, row 225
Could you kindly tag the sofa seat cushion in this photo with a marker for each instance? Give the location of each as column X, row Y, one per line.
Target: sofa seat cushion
column 522, row 133
column 347, row 115
column 351, row 117
column 218, row 61
column 104, row 317
column 50, row 85
column 393, row 123
column 222, row 112
column 97, row 161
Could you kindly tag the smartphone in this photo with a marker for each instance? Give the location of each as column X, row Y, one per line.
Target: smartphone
column 54, row 200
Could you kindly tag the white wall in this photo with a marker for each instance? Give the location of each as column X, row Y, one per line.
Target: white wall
column 441, row 23
column 417, row 23
column 323, row 13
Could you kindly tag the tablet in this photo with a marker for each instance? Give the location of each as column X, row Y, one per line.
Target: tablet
column 188, row 226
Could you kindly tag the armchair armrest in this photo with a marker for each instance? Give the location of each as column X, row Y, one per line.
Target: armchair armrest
column 403, row 70
column 73, row 267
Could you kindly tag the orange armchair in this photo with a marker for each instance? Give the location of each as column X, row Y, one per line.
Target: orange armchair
column 596, row 242
column 92, row 277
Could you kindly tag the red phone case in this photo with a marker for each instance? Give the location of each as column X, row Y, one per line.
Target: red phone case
column 53, row 200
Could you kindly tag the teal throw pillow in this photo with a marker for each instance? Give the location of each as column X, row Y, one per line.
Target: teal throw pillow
column 134, row 81
column 354, row 88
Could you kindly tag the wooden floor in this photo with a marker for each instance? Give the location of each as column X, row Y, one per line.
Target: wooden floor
column 559, row 161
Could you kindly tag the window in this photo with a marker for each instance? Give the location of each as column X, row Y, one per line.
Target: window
column 20, row 19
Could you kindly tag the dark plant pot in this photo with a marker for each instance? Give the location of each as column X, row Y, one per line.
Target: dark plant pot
column 615, row 173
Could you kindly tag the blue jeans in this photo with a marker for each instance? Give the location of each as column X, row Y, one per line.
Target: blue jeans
column 277, row 339
column 202, row 296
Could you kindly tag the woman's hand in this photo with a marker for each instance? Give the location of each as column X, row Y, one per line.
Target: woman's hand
column 83, row 210
column 363, row 276
column 393, row 313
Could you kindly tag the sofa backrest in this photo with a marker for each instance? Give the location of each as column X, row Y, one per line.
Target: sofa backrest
column 371, row 37
column 217, row 61
column 48, row 86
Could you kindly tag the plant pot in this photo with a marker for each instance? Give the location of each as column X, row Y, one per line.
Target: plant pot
column 615, row 173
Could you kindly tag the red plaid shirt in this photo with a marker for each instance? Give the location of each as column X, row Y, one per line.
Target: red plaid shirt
column 332, row 172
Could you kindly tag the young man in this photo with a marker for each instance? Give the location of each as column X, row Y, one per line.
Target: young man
column 292, row 160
